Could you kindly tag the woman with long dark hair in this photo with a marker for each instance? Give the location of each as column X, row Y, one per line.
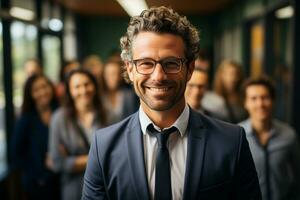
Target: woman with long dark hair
column 71, row 130
column 30, row 139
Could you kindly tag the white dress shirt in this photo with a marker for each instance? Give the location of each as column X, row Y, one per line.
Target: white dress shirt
column 177, row 145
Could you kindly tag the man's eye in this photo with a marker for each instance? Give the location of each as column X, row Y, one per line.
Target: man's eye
column 171, row 64
column 145, row 64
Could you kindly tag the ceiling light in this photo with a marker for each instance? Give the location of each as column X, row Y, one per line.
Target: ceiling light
column 133, row 7
column 284, row 13
column 55, row 24
column 22, row 13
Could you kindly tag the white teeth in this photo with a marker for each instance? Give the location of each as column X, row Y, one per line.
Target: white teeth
column 159, row 89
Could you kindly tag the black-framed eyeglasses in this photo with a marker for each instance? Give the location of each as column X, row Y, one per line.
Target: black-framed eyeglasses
column 170, row 65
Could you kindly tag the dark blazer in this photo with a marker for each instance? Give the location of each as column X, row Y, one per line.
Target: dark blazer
column 28, row 153
column 219, row 163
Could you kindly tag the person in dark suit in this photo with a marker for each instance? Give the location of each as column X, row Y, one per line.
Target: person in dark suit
column 166, row 150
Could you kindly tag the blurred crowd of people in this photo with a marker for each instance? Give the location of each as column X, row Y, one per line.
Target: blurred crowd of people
column 53, row 132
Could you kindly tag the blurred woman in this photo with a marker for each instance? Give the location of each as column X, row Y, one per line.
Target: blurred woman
column 71, row 130
column 118, row 100
column 30, row 139
column 227, row 84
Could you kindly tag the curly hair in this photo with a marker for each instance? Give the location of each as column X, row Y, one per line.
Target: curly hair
column 160, row 20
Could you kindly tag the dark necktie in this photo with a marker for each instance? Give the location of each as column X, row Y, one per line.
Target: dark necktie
column 163, row 189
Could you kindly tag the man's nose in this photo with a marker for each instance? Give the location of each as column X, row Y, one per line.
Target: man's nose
column 159, row 73
column 259, row 102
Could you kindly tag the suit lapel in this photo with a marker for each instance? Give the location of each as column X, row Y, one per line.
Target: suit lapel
column 195, row 154
column 136, row 158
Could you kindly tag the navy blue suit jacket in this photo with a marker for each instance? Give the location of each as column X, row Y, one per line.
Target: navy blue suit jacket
column 219, row 163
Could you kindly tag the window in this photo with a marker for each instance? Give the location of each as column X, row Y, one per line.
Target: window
column 24, row 43
column 51, row 51
column 70, row 44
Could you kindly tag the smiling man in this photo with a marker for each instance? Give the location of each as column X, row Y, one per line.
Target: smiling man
column 167, row 150
column 273, row 144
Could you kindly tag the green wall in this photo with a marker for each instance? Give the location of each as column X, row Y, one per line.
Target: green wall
column 243, row 11
column 205, row 26
column 101, row 35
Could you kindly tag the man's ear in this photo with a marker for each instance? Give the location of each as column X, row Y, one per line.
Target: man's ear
column 190, row 69
column 129, row 68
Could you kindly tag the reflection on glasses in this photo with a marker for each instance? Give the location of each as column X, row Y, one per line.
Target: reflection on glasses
column 170, row 65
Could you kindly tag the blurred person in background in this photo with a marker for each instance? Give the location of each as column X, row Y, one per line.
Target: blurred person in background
column 203, row 61
column 227, row 84
column 71, row 130
column 30, row 139
column 118, row 100
column 94, row 64
column 274, row 144
column 32, row 66
column 195, row 90
column 211, row 103
column 65, row 69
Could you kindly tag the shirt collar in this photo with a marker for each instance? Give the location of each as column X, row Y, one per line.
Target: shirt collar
column 272, row 131
column 181, row 122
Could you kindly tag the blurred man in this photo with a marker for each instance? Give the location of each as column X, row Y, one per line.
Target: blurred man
column 202, row 61
column 273, row 144
column 196, row 88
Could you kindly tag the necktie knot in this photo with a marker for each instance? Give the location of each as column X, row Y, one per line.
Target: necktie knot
column 161, row 136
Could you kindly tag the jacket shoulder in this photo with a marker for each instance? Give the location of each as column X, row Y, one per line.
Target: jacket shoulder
column 220, row 133
column 58, row 118
column 285, row 131
column 211, row 123
column 115, row 130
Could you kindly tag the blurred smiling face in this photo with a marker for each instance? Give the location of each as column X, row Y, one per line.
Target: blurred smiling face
column 159, row 91
column 82, row 89
column 258, row 102
column 41, row 92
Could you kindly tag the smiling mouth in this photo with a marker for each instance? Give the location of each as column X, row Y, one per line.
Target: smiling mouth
column 159, row 89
